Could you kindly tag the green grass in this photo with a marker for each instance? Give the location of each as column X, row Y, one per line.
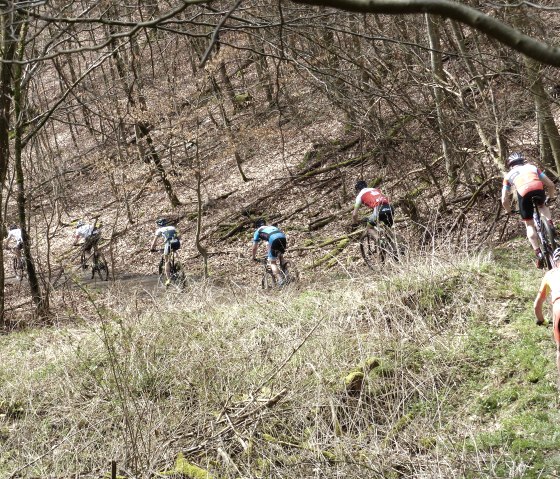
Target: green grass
column 433, row 370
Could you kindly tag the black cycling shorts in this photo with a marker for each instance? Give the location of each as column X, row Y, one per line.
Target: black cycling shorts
column 382, row 213
column 526, row 203
column 278, row 246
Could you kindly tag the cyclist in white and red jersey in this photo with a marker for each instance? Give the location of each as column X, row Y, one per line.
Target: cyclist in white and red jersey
column 530, row 183
column 373, row 198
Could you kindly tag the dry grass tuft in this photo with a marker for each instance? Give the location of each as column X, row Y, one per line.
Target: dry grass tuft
column 346, row 378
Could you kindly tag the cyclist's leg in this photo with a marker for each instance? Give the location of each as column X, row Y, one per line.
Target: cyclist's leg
column 167, row 260
column 272, row 260
column 372, row 224
column 556, row 331
column 526, row 212
column 532, row 234
column 276, row 248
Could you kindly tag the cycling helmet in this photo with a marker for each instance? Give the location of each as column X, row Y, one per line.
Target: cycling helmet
column 161, row 222
column 515, row 159
column 12, row 227
column 556, row 255
column 260, row 222
column 80, row 223
column 360, row 185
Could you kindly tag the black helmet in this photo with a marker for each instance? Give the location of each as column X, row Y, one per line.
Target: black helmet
column 12, row 227
column 260, row 222
column 161, row 222
column 360, row 185
column 515, row 159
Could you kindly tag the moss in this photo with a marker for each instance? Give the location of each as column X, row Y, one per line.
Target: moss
column 186, row 470
column 425, row 443
column 242, row 97
column 353, row 381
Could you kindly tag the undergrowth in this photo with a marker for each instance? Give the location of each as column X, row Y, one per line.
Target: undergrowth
column 435, row 369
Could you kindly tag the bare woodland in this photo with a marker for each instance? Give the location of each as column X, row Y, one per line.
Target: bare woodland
column 216, row 113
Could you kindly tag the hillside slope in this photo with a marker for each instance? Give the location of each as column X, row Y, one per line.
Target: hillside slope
column 433, row 369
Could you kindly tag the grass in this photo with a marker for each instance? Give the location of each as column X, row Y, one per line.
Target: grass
column 434, row 370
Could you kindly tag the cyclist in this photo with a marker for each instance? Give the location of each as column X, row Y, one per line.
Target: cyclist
column 172, row 242
column 91, row 236
column 530, row 183
column 276, row 246
column 14, row 233
column 551, row 284
column 373, row 198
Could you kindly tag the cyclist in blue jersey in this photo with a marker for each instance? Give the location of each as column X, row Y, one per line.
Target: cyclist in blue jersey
column 276, row 245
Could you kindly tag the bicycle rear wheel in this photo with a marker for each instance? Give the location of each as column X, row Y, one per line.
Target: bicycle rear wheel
column 18, row 268
column 548, row 242
column 100, row 267
column 291, row 274
column 371, row 251
column 177, row 274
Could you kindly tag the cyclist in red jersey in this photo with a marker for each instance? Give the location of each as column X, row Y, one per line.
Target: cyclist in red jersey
column 373, row 198
column 530, row 183
column 551, row 284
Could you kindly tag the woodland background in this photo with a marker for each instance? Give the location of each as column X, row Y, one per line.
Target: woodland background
column 215, row 114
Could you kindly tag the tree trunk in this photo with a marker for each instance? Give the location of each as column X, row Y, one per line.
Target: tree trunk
column 41, row 306
column 10, row 33
column 439, row 94
column 547, row 127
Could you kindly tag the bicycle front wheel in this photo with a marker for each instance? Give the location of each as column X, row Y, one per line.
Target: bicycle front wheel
column 267, row 281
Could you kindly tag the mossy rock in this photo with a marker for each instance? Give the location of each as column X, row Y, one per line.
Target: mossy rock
column 186, row 470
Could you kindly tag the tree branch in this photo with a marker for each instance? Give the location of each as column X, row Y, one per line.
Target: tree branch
column 492, row 27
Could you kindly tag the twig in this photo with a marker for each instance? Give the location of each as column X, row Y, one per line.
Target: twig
column 216, row 33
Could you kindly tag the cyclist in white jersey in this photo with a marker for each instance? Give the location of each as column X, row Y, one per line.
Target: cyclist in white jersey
column 170, row 236
column 14, row 233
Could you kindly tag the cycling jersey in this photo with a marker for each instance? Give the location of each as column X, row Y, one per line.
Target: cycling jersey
column 551, row 284
column 275, row 238
column 525, row 178
column 16, row 235
column 267, row 233
column 371, row 197
column 85, row 231
column 167, row 232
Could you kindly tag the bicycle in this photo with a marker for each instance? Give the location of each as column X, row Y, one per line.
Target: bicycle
column 288, row 273
column 18, row 264
column 99, row 264
column 378, row 244
column 546, row 234
column 176, row 274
